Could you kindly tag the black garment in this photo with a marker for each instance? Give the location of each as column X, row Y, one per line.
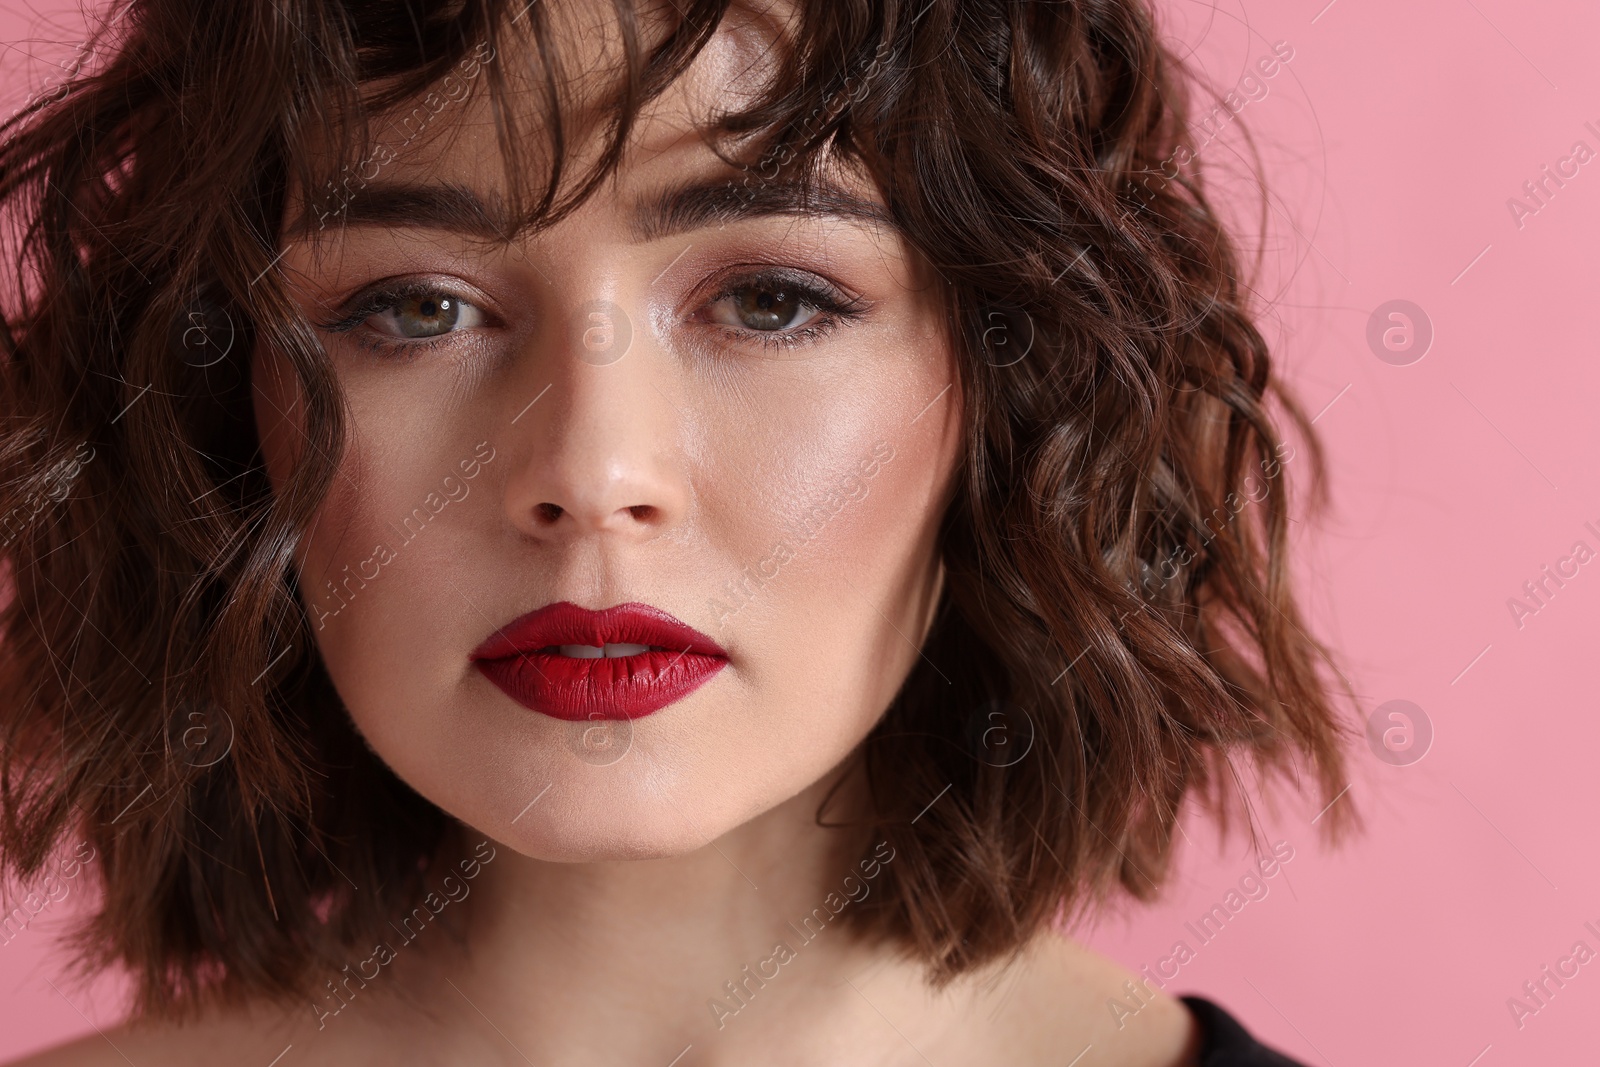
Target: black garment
column 1224, row 1043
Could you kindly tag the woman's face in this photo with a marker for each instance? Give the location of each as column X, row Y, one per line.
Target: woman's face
column 739, row 411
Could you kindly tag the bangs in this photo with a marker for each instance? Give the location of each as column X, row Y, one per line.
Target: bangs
column 562, row 118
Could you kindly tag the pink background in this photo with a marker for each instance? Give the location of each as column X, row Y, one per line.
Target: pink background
column 1392, row 141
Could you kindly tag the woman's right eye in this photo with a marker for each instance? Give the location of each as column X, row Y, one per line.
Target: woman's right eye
column 405, row 315
column 423, row 315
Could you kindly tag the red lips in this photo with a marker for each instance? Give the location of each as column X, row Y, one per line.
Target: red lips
column 523, row 658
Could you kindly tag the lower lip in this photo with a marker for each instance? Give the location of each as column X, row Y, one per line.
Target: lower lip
column 620, row 687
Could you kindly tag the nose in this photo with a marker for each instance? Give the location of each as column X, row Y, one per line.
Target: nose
column 600, row 450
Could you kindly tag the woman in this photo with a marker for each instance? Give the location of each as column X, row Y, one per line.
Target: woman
column 670, row 533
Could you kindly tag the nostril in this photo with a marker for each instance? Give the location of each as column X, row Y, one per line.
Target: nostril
column 642, row 512
column 549, row 512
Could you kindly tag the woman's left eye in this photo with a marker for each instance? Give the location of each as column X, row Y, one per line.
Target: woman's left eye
column 764, row 307
column 788, row 308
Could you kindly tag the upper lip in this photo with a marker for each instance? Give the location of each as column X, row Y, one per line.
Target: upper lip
column 565, row 623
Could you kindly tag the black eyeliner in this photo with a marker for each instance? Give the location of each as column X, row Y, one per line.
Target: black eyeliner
column 370, row 302
column 823, row 296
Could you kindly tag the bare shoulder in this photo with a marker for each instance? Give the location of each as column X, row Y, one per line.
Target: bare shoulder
column 117, row 1045
column 256, row 1036
column 89, row 1051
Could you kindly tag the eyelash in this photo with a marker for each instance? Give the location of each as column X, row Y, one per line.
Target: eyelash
column 387, row 297
column 837, row 308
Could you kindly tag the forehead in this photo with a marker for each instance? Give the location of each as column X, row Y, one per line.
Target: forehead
column 489, row 131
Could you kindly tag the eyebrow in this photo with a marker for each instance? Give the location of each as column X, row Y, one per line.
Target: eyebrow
column 677, row 209
column 696, row 205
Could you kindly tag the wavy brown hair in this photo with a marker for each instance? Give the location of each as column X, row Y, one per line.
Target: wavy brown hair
column 1117, row 598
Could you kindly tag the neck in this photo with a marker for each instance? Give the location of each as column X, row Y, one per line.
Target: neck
column 722, row 948
column 720, row 956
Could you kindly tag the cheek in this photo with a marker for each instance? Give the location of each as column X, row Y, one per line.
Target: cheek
column 380, row 563
column 830, row 506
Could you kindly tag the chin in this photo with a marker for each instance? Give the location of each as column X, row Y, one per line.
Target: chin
column 669, row 784
column 594, row 827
